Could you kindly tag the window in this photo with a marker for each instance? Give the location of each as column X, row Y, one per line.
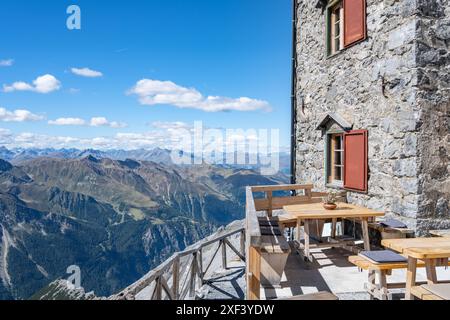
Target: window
column 336, row 22
column 347, row 160
column 346, row 24
column 335, row 159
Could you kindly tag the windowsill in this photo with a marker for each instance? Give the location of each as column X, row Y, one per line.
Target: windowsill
column 331, row 56
column 335, row 185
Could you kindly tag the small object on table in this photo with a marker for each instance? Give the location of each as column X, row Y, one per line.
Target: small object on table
column 329, row 202
column 330, row 206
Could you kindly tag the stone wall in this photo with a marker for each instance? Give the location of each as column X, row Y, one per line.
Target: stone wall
column 433, row 99
column 386, row 84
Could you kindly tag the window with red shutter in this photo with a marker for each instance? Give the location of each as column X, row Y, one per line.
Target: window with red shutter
column 355, row 160
column 354, row 21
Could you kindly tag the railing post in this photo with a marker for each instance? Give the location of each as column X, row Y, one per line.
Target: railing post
column 193, row 274
column 176, row 277
column 243, row 242
column 224, row 255
column 158, row 289
column 269, row 198
column 200, row 264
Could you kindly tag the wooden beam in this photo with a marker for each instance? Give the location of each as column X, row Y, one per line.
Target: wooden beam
column 235, row 250
column 253, row 274
column 269, row 199
column 224, row 255
column 176, row 278
column 282, row 187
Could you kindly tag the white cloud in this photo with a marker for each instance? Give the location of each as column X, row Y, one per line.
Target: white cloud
column 86, row 72
column 6, row 63
column 18, row 116
column 43, row 84
column 154, row 92
column 67, row 122
column 94, row 122
column 103, row 122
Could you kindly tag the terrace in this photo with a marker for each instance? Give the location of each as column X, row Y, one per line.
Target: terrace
column 288, row 247
column 323, row 247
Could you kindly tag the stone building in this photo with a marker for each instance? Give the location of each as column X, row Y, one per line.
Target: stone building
column 371, row 102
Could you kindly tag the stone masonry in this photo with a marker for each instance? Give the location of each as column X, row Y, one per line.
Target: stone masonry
column 396, row 84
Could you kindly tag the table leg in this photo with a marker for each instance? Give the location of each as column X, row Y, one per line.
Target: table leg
column 299, row 225
column 430, row 266
column 365, row 232
column 307, row 252
column 410, row 277
column 333, row 228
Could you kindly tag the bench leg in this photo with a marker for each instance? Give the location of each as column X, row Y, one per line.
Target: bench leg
column 372, row 284
column 384, row 294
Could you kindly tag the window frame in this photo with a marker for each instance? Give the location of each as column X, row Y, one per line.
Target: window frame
column 330, row 39
column 329, row 160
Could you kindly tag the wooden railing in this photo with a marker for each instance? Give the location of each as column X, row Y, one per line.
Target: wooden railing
column 174, row 280
column 265, row 207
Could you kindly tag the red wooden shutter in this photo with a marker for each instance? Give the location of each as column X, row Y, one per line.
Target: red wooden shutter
column 354, row 21
column 355, row 160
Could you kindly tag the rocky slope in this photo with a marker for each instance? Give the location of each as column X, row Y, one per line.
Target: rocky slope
column 114, row 219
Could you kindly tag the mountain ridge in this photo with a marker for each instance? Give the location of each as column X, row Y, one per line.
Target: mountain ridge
column 116, row 219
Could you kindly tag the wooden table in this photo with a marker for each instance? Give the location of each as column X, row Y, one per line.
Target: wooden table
column 316, row 211
column 433, row 251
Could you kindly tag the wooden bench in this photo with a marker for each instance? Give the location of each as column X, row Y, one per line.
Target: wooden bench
column 380, row 290
column 423, row 294
column 323, row 295
column 275, row 251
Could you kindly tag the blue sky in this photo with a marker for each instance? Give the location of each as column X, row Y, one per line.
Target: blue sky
column 187, row 50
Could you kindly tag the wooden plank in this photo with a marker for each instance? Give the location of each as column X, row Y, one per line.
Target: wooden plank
column 307, row 240
column 333, row 227
column 317, row 211
column 279, row 202
column 253, row 274
column 423, row 294
column 400, row 245
column 365, row 231
column 176, row 278
column 270, row 207
column 410, row 277
column 212, row 259
column 252, row 224
column 282, row 187
column 430, row 266
column 438, row 251
column 230, row 245
column 242, row 243
column 224, row 255
column 166, row 289
column 365, row 264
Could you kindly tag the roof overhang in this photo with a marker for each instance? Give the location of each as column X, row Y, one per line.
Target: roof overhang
column 334, row 117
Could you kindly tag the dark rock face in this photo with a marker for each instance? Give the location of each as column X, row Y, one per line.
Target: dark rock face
column 5, row 166
column 116, row 220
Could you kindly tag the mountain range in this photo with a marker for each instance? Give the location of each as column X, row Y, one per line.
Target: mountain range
column 158, row 155
column 115, row 219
